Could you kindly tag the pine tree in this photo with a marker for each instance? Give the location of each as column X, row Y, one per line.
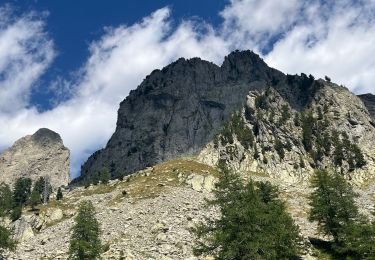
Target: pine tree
column 6, row 200
column 358, row 156
column 16, row 212
column 22, row 190
column 6, row 241
column 308, row 123
column 358, row 239
column 279, row 147
column 332, row 204
column 105, row 175
column 39, row 185
column 59, row 195
column 253, row 223
column 85, row 242
column 35, row 199
column 333, row 207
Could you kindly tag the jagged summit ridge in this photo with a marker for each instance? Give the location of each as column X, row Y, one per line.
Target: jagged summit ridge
column 38, row 155
column 177, row 111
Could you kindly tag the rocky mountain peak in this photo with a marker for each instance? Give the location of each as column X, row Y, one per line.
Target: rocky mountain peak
column 178, row 110
column 243, row 63
column 38, row 155
column 46, row 136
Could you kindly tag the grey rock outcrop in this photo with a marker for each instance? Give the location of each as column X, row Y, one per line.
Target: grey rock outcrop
column 369, row 101
column 38, row 155
column 335, row 123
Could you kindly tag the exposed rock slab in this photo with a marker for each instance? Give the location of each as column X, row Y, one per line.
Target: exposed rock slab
column 38, row 155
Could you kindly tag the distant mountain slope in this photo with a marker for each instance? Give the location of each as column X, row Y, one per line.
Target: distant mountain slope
column 38, row 155
column 178, row 110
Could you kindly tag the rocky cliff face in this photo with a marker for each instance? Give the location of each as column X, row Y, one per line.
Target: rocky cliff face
column 38, row 155
column 369, row 101
column 177, row 111
column 268, row 135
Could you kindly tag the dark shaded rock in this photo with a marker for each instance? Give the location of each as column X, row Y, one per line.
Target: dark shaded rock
column 369, row 101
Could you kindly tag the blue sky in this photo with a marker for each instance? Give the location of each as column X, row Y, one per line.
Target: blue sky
column 66, row 65
column 73, row 25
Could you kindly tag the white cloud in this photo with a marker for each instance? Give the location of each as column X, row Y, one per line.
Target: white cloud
column 25, row 53
column 252, row 23
column 308, row 36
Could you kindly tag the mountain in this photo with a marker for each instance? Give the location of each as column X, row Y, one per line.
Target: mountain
column 38, row 155
column 179, row 110
column 182, row 122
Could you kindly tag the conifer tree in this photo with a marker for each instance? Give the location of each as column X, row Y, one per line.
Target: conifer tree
column 6, row 241
column 35, row 199
column 6, row 200
column 333, row 207
column 59, row 195
column 22, row 190
column 85, row 242
column 105, row 176
column 332, row 203
column 253, row 223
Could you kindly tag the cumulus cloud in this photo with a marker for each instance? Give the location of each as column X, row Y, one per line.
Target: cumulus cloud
column 335, row 40
column 25, row 53
column 253, row 23
column 293, row 36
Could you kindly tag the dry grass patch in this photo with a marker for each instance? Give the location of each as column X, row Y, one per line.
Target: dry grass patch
column 152, row 182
